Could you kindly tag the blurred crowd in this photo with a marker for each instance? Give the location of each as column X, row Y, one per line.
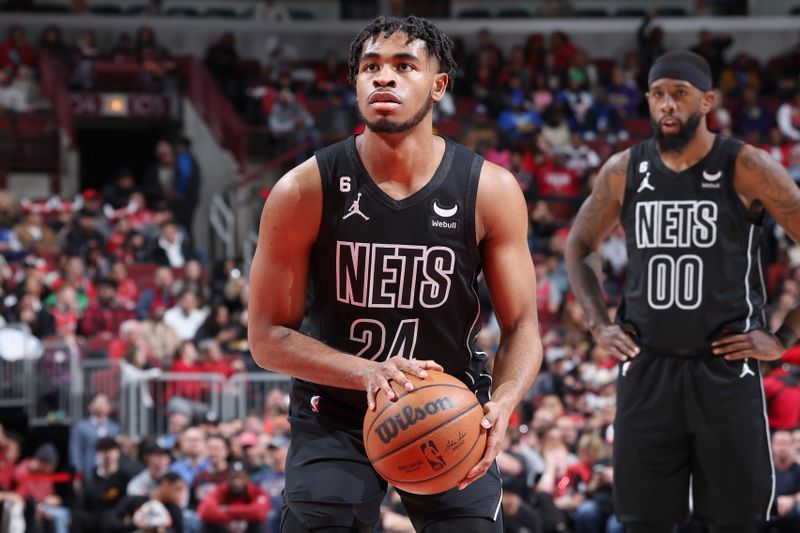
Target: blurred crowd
column 115, row 275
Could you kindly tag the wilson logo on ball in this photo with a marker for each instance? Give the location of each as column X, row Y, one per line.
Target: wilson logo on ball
column 391, row 427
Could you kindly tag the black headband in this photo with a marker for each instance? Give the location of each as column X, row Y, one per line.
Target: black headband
column 680, row 70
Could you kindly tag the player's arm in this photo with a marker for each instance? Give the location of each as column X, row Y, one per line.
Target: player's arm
column 278, row 281
column 502, row 218
column 762, row 179
column 596, row 218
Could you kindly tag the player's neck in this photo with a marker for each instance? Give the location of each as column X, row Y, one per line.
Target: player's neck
column 400, row 157
column 697, row 149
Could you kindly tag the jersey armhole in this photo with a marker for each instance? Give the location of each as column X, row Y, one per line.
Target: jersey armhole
column 733, row 158
column 471, row 205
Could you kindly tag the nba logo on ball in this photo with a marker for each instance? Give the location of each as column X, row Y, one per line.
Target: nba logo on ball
column 433, row 456
column 427, row 440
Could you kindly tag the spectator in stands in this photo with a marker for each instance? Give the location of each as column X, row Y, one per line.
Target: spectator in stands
column 787, row 486
column 712, row 47
column 782, row 394
column 52, row 41
column 623, row 95
column 65, row 311
column 127, row 292
column 581, row 158
column 83, row 234
column 237, row 505
column 519, row 122
column 102, row 490
column 160, row 179
column 219, row 327
column 29, row 311
column 561, row 53
column 743, row 72
column 173, row 247
column 205, row 482
column 160, row 339
column 719, row 118
column 159, row 294
column 222, row 62
column 331, row 76
column 577, row 98
column 187, row 361
column 292, row 125
column 124, row 50
column 117, row 194
column 15, row 50
column 192, row 455
column 555, row 130
column 32, row 482
column 187, row 186
column 752, row 117
column 788, row 118
column 596, row 512
column 651, row 42
column 518, row 67
column 151, row 55
column 35, row 235
column 185, row 318
column 214, row 361
column 84, row 435
column 86, row 52
column 32, row 98
column 105, row 315
column 156, row 461
column 777, row 145
column 193, row 279
column 274, row 481
column 603, row 121
column 177, row 421
column 160, row 511
column 11, row 98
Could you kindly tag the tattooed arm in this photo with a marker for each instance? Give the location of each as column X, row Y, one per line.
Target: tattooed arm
column 761, row 180
column 597, row 216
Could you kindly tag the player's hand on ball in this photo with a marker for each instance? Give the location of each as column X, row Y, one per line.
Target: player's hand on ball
column 395, row 369
column 495, row 421
column 756, row 344
column 619, row 344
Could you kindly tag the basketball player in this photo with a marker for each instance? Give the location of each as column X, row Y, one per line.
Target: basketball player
column 392, row 227
column 691, row 327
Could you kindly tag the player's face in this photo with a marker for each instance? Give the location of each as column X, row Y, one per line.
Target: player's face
column 397, row 83
column 676, row 110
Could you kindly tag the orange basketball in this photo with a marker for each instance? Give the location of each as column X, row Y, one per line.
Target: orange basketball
column 427, row 440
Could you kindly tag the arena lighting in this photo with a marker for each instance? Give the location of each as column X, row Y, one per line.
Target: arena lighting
column 115, row 105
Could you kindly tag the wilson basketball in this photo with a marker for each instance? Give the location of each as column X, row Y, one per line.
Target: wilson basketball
column 427, row 440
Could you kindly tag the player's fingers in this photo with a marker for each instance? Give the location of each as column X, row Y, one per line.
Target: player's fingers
column 489, row 415
column 627, row 344
column 382, row 383
column 430, row 364
column 744, row 354
column 395, row 373
column 730, row 339
column 733, row 348
column 619, row 350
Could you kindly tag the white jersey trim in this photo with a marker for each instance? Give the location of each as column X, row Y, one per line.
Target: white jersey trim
column 769, row 444
column 747, row 280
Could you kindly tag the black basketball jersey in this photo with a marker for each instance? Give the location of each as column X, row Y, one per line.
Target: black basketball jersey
column 395, row 277
column 694, row 269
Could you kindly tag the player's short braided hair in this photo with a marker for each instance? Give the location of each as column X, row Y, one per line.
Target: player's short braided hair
column 437, row 43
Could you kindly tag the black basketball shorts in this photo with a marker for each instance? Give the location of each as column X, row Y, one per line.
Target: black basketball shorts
column 694, row 424
column 330, row 482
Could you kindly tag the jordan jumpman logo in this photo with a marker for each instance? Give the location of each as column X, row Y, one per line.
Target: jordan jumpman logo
column 355, row 209
column 646, row 184
column 746, row 370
